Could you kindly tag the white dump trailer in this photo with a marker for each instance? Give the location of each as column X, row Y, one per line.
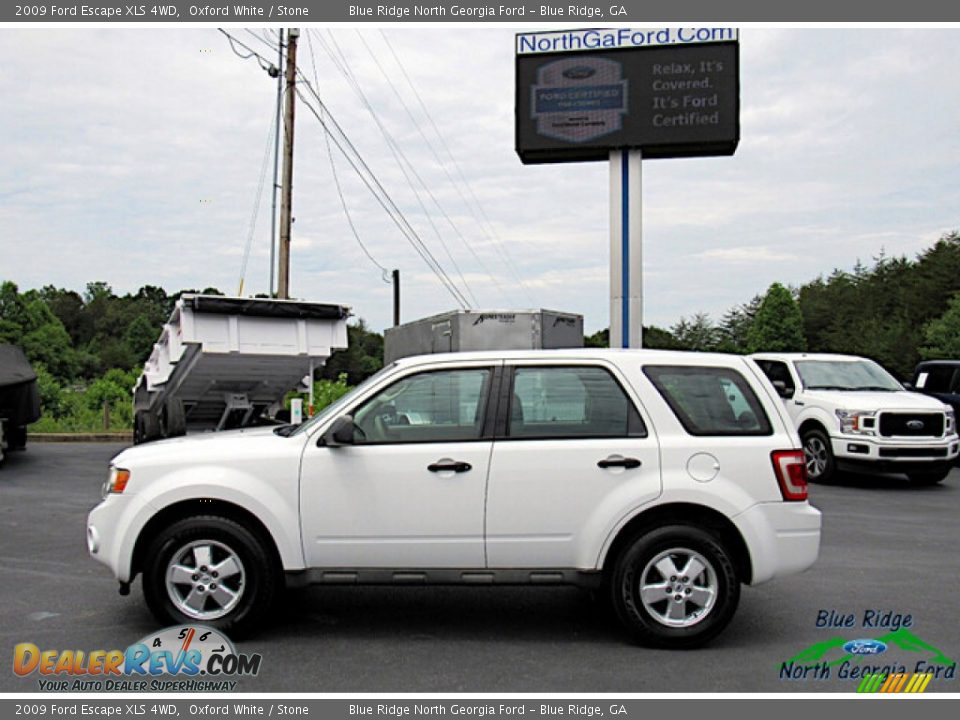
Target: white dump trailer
column 222, row 362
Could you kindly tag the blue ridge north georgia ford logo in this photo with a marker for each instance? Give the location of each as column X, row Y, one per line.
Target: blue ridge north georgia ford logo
column 579, row 99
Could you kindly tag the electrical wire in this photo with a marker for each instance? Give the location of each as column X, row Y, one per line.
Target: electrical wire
column 363, row 170
column 380, row 194
column 336, row 179
column 256, row 203
column 406, row 168
column 483, row 221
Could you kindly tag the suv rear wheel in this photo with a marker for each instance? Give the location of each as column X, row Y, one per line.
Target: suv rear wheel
column 675, row 587
column 211, row 570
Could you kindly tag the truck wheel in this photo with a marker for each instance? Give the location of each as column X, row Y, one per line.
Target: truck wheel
column 675, row 587
column 146, row 427
column 211, row 570
column 930, row 477
column 821, row 466
column 174, row 418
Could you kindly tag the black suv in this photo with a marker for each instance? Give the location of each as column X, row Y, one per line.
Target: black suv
column 941, row 379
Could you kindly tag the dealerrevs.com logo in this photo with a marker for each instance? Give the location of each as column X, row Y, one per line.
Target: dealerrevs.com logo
column 182, row 658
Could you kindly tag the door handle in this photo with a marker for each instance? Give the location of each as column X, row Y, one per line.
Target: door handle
column 628, row 463
column 457, row 467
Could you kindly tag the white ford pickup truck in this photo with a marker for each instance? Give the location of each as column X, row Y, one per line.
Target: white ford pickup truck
column 666, row 479
column 852, row 413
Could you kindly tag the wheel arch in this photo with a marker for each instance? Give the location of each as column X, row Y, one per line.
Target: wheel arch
column 201, row 506
column 691, row 514
column 812, row 423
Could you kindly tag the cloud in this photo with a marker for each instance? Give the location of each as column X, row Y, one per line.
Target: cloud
column 134, row 156
column 747, row 255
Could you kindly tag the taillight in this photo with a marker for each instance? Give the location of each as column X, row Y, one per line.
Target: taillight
column 790, row 467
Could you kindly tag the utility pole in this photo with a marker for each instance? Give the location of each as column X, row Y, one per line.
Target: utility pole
column 283, row 284
column 276, row 164
column 396, row 297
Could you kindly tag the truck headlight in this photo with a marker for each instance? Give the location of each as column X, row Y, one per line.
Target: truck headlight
column 857, row 422
column 951, row 427
column 116, row 482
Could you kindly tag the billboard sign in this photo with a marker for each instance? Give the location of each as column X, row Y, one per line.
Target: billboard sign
column 581, row 94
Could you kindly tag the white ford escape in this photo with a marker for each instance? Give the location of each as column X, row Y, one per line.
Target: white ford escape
column 668, row 479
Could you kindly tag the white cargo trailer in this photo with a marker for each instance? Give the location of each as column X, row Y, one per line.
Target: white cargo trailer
column 222, row 362
column 469, row 330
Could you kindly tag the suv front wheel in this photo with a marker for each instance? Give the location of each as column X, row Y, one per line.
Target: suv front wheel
column 211, row 570
column 675, row 587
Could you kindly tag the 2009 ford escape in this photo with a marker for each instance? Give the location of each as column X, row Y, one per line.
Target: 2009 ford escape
column 668, row 479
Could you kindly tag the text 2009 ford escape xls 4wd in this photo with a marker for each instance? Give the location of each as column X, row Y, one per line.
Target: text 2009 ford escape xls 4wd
column 668, row 478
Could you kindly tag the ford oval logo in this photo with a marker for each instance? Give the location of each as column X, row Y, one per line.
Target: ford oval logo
column 915, row 424
column 865, row 647
column 580, row 72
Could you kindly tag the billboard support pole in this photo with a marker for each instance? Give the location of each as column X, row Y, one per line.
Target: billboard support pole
column 626, row 249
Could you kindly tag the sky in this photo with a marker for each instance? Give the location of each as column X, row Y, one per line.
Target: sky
column 134, row 157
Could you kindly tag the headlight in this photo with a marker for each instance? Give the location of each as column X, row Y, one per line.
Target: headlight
column 951, row 422
column 858, row 422
column 116, row 482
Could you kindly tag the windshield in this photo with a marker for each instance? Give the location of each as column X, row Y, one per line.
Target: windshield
column 337, row 406
column 845, row 375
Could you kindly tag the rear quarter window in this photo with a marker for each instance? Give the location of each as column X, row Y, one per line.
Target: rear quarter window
column 710, row 400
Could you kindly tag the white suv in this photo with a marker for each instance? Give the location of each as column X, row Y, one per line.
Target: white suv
column 851, row 412
column 667, row 478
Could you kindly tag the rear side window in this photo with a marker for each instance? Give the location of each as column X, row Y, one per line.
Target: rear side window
column 710, row 400
column 571, row 402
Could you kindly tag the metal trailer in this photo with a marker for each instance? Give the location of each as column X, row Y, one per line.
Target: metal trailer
column 222, row 362
column 19, row 398
column 466, row 330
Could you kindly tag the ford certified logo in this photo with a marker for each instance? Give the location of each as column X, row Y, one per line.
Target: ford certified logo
column 915, row 424
column 865, row 647
column 580, row 72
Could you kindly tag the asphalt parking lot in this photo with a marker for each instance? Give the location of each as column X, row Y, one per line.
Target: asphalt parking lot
column 887, row 547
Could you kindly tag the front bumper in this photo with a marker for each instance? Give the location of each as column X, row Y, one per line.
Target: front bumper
column 783, row 538
column 106, row 526
column 894, row 453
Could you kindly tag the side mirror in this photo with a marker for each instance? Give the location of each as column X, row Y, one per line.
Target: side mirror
column 339, row 433
column 782, row 390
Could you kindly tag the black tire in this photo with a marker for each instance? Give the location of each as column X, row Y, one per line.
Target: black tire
column 641, row 619
column 174, row 418
column 146, row 427
column 259, row 586
column 932, row 476
column 819, row 454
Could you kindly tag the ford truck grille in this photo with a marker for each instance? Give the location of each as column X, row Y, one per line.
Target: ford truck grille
column 911, row 424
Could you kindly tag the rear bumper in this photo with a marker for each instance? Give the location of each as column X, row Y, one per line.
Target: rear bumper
column 783, row 538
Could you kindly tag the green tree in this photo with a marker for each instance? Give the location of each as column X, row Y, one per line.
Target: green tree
column 361, row 359
column 697, row 333
column 778, row 324
column 941, row 337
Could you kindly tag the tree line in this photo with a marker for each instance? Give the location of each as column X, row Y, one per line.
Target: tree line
column 88, row 347
column 896, row 311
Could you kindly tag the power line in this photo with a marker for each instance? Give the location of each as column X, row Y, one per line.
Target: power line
column 366, row 174
column 489, row 229
column 400, row 158
column 380, row 194
column 256, row 205
column 336, row 179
